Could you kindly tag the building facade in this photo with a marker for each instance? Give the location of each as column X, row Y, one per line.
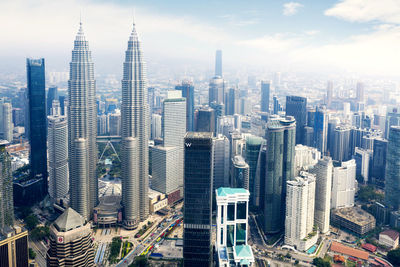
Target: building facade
column 296, row 106
column 392, row 175
column 343, row 184
column 6, row 188
column 265, row 95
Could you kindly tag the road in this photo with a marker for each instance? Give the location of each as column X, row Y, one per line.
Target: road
column 40, row 252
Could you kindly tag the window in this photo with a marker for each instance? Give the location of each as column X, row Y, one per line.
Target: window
column 241, row 210
column 231, row 212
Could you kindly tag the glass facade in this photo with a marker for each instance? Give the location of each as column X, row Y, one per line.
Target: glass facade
column 52, row 95
column 6, row 189
column 392, row 176
column 37, row 118
column 265, row 92
column 253, row 146
column 198, row 182
column 296, row 106
column 188, row 92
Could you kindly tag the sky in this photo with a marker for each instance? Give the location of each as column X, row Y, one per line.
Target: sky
column 349, row 36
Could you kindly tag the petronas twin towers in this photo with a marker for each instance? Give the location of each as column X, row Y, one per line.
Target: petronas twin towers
column 134, row 133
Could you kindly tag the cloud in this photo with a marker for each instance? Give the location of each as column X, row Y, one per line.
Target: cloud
column 311, row 32
column 387, row 11
column 291, row 8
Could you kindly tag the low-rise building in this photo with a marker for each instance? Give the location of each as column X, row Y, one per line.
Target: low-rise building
column 157, row 201
column 109, row 212
column 389, row 238
column 354, row 219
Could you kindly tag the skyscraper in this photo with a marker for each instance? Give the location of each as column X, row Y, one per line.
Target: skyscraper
column 265, row 92
column 280, row 161
column 82, row 129
column 232, row 101
column 8, row 125
column 6, row 188
column 52, row 94
column 392, row 175
column 188, row 92
column 57, row 136
column 343, row 184
column 341, row 150
column 296, row 106
column 218, row 63
column 206, row 120
column 323, row 173
column 239, row 173
column 360, row 95
column 135, row 135
column 329, row 94
column 197, row 247
column 321, row 129
column 379, row 160
column 221, row 161
column 36, row 95
column 253, row 146
column 216, row 91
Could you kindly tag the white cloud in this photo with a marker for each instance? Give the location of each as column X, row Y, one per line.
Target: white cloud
column 387, row 11
column 291, row 8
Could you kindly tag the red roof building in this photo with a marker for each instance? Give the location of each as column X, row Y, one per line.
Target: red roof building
column 369, row 247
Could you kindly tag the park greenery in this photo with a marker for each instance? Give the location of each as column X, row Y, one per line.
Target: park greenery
column 115, row 247
column 394, row 257
column 320, row 262
column 32, row 254
column 369, row 194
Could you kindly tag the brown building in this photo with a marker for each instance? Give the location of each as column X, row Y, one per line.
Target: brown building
column 70, row 241
column 13, row 247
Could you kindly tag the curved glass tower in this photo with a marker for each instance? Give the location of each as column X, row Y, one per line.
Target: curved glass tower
column 135, row 135
column 392, row 176
column 82, row 126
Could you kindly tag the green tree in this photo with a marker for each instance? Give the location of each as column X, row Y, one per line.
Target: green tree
column 31, row 221
column 32, row 254
column 140, row 261
column 320, row 262
column 394, row 257
column 40, row 233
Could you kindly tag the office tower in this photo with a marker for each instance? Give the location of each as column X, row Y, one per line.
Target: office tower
column 332, row 123
column 356, row 120
column 70, row 241
column 261, row 177
column 281, row 139
column 52, row 94
column 135, row 131
column 63, row 104
column 55, row 108
column 311, row 117
column 306, row 157
column 392, row 175
column 6, row 188
column 265, row 92
column 82, row 129
column 102, row 124
column 363, row 158
column 205, row 120
column 276, row 105
column 379, row 160
column 225, row 125
column 216, row 91
column 155, row 126
column 218, row 63
column 150, row 99
column 299, row 221
column 167, row 159
column 321, row 129
column 232, row 101
column 8, row 125
column 14, row 247
column 111, row 105
column 232, row 220
column 253, row 147
column 244, row 106
column 36, row 111
column 187, row 90
column 221, row 160
column 219, row 111
column 238, row 122
column 308, row 136
column 239, row 173
column 341, row 143
column 323, row 184
column 114, row 123
column 197, row 248
column 57, row 138
column 343, row 184
column 18, row 116
column 329, row 94
column 296, row 106
column 392, row 119
column 360, row 95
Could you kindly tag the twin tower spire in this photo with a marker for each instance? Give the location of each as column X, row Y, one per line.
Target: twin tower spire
column 82, row 120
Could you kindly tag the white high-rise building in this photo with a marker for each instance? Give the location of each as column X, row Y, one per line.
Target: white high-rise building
column 57, row 143
column 82, row 126
column 155, row 126
column 344, row 185
column 299, row 221
column 306, row 157
column 135, row 135
column 166, row 175
column 102, row 124
column 323, row 185
column 221, row 161
column 8, row 126
column 114, row 122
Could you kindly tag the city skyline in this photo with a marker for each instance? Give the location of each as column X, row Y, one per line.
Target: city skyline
column 280, row 35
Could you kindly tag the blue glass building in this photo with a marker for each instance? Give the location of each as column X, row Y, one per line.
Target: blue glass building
column 52, row 95
column 188, row 92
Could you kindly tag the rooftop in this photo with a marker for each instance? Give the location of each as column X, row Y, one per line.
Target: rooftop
column 225, row 191
column 199, row 135
column 391, row 233
column 337, row 247
column 243, row 251
column 69, row 220
column 355, row 215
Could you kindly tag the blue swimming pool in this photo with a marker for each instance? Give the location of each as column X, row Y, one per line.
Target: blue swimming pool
column 312, row 249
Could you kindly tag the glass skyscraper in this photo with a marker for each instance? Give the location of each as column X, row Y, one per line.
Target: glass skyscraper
column 188, row 92
column 296, row 106
column 36, row 94
column 218, row 63
column 321, row 129
column 198, row 180
column 52, row 95
column 265, row 92
column 281, row 139
column 392, row 176
column 6, row 188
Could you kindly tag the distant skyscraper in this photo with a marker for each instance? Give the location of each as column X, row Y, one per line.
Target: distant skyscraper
column 265, row 92
column 323, row 172
column 197, row 247
column 57, row 137
column 253, row 146
column 343, row 184
column 7, row 120
column 135, row 153
column 329, row 94
column 36, row 95
column 280, row 160
column 239, row 173
column 221, row 161
column 114, row 123
column 216, row 91
column 82, row 129
column 232, row 101
column 363, row 158
column 52, row 94
column 299, row 219
column 360, row 94
column 276, row 105
column 156, row 126
column 392, row 176
column 379, row 160
column 296, row 106
column 341, row 150
column 321, row 129
column 206, row 120
column 6, row 188
column 188, row 92
column 218, row 63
